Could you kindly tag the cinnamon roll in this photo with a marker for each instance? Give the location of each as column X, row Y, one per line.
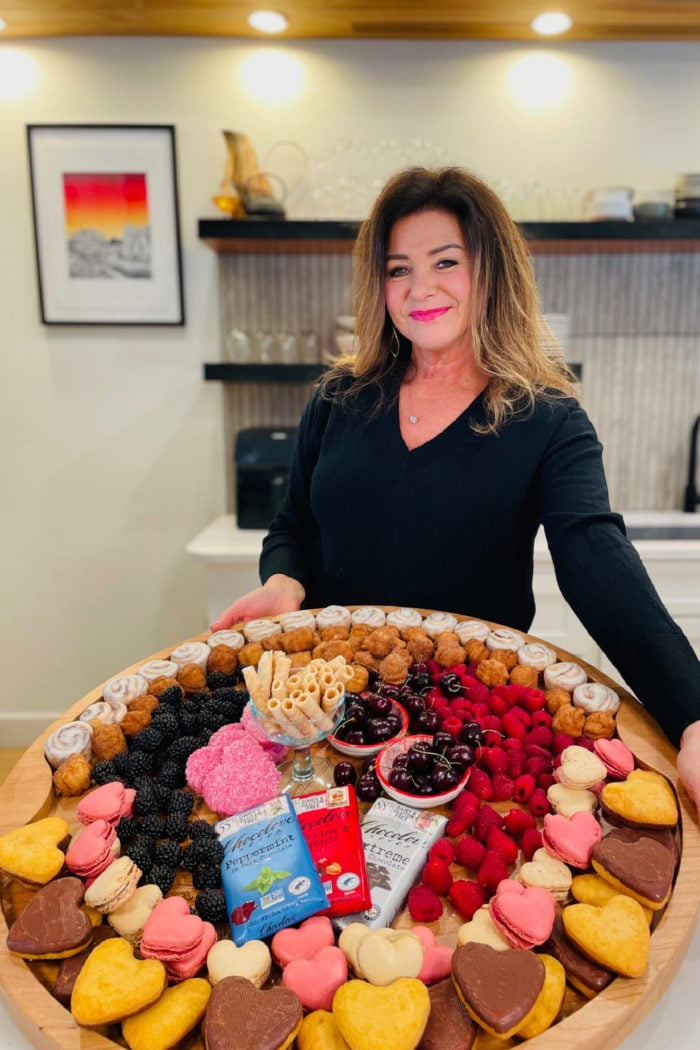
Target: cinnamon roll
column 289, row 621
column 437, row 622
column 191, row 653
column 158, row 669
column 72, row 738
column 256, row 630
column 403, row 618
column 233, row 639
column 467, row 629
column 594, row 696
column 124, row 688
column 333, row 616
column 565, row 675
column 504, row 638
column 369, row 615
column 537, row 655
column 105, row 712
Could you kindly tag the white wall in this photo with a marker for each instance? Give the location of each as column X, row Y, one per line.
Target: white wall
column 111, row 447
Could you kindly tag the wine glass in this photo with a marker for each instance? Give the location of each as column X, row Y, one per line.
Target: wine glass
column 305, row 772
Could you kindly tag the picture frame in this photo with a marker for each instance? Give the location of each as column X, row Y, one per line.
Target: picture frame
column 106, row 224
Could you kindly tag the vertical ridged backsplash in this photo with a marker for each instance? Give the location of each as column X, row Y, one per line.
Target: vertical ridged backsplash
column 634, row 326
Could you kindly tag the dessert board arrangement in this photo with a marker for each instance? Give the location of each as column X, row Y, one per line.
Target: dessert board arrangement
column 465, row 809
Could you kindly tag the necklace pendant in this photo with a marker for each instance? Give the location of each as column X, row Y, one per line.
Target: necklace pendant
column 413, row 419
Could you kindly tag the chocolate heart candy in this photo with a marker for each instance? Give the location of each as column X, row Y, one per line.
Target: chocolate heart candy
column 636, row 863
column 450, row 1026
column 241, row 1016
column 498, row 988
column 52, row 926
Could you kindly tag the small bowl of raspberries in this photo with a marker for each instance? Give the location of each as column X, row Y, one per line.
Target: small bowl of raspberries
column 370, row 721
column 425, row 770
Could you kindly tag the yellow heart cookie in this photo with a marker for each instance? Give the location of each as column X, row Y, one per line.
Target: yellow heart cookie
column 319, row 1031
column 644, row 799
column 252, row 960
column 546, row 1009
column 616, row 935
column 163, row 1025
column 390, row 1018
column 594, row 889
column 113, row 984
column 31, row 854
column 387, row 955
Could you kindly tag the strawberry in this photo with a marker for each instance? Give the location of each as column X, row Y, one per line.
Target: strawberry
column 469, row 852
column 424, row 905
column 437, row 875
column 467, row 897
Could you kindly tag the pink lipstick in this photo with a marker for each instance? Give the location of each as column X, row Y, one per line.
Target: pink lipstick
column 428, row 315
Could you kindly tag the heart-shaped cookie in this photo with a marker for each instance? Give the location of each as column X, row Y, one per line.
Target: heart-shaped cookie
column 482, row 930
column 616, row 935
column 636, row 864
column 450, row 1025
column 548, row 1004
column 502, row 1003
column 437, row 958
column 129, row 920
column 53, row 925
column 241, row 1015
column 571, row 839
column 32, row 854
column 317, row 980
column 580, row 768
column 523, row 914
column 303, row 941
column 170, row 1019
column 567, row 801
column 615, row 756
column 319, row 1031
column 389, row 1018
column 113, row 984
column 547, row 872
column 170, row 930
column 386, row 956
column 108, row 802
column 592, row 888
column 251, row 960
column 645, row 800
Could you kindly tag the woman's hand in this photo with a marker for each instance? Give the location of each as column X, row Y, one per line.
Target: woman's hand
column 279, row 594
column 688, row 763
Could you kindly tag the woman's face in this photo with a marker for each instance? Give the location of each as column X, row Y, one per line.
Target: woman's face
column 428, row 282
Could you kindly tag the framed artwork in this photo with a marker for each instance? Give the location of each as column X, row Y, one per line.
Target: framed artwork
column 106, row 224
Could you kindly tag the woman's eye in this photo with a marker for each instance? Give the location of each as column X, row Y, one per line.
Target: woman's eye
column 397, row 271
column 446, row 264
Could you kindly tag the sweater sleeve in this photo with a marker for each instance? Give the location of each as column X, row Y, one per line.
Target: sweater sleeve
column 292, row 536
column 603, row 579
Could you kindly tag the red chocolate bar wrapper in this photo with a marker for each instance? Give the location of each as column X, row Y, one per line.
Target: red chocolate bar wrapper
column 330, row 823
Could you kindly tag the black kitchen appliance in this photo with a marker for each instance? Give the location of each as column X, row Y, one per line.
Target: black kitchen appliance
column 262, row 457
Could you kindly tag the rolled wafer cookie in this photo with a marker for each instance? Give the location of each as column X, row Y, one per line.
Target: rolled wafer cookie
column 315, row 713
column 296, row 717
column 332, row 697
column 282, row 723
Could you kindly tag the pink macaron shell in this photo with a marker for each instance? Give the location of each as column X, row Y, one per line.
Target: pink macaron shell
column 192, row 961
column 171, row 932
column 92, row 850
column 523, row 915
column 437, row 958
column 316, row 980
column 303, row 941
column 616, row 757
column 103, row 803
column 571, row 839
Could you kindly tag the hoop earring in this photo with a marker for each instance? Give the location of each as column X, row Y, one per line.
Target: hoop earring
column 394, row 339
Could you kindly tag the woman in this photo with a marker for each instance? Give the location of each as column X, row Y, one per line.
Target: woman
column 426, row 463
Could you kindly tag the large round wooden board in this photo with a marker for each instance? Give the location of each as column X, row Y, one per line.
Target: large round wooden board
column 599, row 1024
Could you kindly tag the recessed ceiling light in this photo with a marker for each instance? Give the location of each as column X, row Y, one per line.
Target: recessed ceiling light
column 3, row 24
column 551, row 23
column 268, row 21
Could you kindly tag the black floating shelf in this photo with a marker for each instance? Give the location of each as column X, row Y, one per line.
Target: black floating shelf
column 228, row 372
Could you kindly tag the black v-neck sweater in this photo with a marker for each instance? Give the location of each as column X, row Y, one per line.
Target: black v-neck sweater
column 451, row 525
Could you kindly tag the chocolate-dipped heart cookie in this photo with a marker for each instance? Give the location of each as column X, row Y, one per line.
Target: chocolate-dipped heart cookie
column 242, row 1017
column 70, row 968
column 450, row 1026
column 636, row 864
column 52, row 926
column 499, row 989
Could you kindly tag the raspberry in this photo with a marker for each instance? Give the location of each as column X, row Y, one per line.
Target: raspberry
column 523, row 788
column 531, row 699
column 437, row 875
column 469, row 852
column 518, row 821
column 465, row 802
column 467, row 897
column 560, row 741
column 522, row 715
column 502, row 787
column 492, row 722
column 452, row 724
column 480, row 783
column 495, row 759
column 480, row 710
column 583, row 741
column 512, row 725
column 456, row 826
column 538, row 803
column 424, row 905
column 493, row 869
column 443, row 850
column 540, row 735
column 497, row 704
column 460, row 704
column 516, row 764
column 541, row 718
column 500, row 842
column 512, row 743
column 475, row 690
column 486, row 818
column 538, row 764
column 530, row 842
column 545, row 780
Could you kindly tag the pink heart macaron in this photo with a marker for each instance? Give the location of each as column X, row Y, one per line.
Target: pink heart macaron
column 524, row 915
column 317, row 980
column 615, row 756
column 303, row 941
column 108, row 802
column 437, row 958
column 571, row 839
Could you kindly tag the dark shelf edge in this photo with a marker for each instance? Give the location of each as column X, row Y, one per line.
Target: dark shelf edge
column 228, row 372
column 278, row 229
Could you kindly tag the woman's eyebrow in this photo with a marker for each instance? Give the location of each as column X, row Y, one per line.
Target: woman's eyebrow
column 433, row 251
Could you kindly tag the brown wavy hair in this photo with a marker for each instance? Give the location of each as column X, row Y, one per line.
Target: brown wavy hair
column 512, row 343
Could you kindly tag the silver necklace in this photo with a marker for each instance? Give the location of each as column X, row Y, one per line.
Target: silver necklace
column 411, row 417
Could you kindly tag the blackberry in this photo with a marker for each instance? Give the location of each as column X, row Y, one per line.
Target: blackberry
column 172, row 775
column 163, row 793
column 206, row 877
column 127, row 829
column 200, row 697
column 141, row 856
column 213, row 718
column 153, row 825
column 149, row 739
column 145, row 879
column 181, row 749
column 139, row 765
column 219, row 680
column 173, row 695
column 188, row 718
column 146, row 800
column 181, row 802
column 104, row 773
column 167, row 852
column 176, row 826
column 202, row 829
column 207, row 851
column 165, row 721
column 121, row 763
column 162, row 876
column 210, row 905
column 230, row 695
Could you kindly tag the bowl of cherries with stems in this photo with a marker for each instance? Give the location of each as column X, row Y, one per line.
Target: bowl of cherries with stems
column 370, row 721
column 424, row 770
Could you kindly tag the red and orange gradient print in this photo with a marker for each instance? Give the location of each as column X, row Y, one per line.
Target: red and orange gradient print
column 104, row 201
